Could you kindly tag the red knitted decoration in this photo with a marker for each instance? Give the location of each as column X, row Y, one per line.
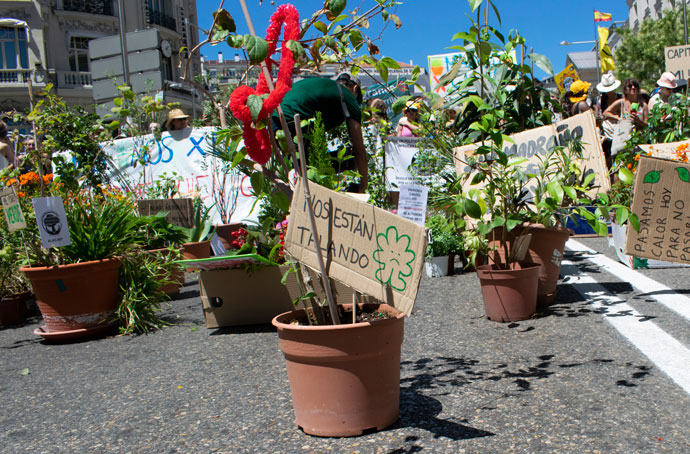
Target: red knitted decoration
column 256, row 141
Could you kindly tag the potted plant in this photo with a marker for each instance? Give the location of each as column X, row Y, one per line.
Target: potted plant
column 15, row 295
column 445, row 241
column 197, row 244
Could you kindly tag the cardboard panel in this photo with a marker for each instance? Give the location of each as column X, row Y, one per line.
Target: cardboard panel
column 678, row 60
column 661, row 199
column 537, row 142
column 236, row 297
column 369, row 249
column 180, row 211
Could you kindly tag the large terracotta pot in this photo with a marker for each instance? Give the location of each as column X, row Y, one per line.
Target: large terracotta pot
column 224, row 233
column 545, row 248
column 344, row 379
column 509, row 295
column 79, row 296
column 200, row 250
column 176, row 275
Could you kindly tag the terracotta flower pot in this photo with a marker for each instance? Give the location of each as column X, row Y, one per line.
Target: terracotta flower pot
column 546, row 248
column 200, row 250
column 176, row 275
column 79, row 296
column 13, row 309
column 344, row 379
column 224, row 231
column 509, row 295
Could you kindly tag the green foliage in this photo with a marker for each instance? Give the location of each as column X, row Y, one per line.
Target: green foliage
column 202, row 228
column 141, row 279
column 163, row 187
column 641, row 53
column 11, row 251
column 445, row 238
column 60, row 128
column 156, row 232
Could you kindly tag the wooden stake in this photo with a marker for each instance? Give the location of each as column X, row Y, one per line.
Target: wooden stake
column 317, row 242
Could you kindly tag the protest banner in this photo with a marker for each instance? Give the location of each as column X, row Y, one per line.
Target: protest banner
column 369, row 249
column 183, row 152
column 678, row 60
column 536, row 143
column 670, row 150
column 412, row 202
column 661, row 192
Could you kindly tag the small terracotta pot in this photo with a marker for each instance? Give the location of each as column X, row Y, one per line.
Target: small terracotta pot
column 13, row 308
column 200, row 250
column 509, row 295
column 344, row 379
column 224, row 232
column 76, row 296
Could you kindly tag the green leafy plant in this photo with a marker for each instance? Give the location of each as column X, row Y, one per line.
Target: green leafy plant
column 156, row 232
column 202, row 227
column 445, row 239
column 163, row 187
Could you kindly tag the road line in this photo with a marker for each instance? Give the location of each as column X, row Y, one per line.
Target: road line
column 668, row 354
column 649, row 287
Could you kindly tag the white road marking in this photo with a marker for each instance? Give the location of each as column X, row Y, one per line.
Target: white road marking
column 668, row 354
column 649, row 287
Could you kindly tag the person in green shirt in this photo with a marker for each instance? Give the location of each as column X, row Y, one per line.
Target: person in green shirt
column 338, row 101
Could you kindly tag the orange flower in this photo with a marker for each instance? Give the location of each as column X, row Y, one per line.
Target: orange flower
column 47, row 178
column 629, row 166
column 682, row 147
column 21, row 194
column 11, row 181
column 637, row 157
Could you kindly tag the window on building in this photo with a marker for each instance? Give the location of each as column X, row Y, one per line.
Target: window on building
column 79, row 53
column 13, row 48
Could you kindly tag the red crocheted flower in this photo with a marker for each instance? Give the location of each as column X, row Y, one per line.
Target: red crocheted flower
column 257, row 141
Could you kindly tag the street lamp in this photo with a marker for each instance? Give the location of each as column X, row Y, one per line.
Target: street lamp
column 568, row 43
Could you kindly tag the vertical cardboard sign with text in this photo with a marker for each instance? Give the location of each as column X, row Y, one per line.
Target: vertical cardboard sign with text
column 534, row 144
column 661, row 200
column 369, row 249
column 677, row 60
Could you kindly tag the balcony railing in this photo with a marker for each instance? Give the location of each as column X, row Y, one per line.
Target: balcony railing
column 61, row 79
column 158, row 18
column 102, row 7
column 73, row 79
column 15, row 76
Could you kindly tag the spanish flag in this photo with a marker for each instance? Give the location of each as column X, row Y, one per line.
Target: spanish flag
column 601, row 17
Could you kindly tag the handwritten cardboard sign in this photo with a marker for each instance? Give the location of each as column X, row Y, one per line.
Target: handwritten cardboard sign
column 666, row 150
column 12, row 209
column 373, row 251
column 661, row 200
column 180, row 211
column 678, row 60
column 537, row 142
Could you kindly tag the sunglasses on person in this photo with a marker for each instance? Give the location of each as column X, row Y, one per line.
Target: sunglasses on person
column 633, row 85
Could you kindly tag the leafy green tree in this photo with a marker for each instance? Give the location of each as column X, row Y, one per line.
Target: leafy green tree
column 641, row 53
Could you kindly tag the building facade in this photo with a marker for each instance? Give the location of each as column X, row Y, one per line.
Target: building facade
column 47, row 41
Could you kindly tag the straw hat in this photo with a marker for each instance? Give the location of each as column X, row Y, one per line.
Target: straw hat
column 174, row 114
column 579, row 88
column 667, row 80
column 608, row 83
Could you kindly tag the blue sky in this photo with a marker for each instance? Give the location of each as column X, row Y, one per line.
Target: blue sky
column 429, row 25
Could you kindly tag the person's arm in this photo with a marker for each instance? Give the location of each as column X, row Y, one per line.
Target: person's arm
column 6, row 151
column 355, row 129
column 613, row 112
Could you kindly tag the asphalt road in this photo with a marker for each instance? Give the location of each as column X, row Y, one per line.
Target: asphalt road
column 604, row 370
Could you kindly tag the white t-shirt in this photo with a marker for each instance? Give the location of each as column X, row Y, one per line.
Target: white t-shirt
column 654, row 100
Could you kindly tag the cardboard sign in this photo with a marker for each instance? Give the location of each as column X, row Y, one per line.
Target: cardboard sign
column 412, row 202
column 52, row 221
column 371, row 250
column 13, row 211
column 661, row 200
column 666, row 150
column 537, row 142
column 678, row 60
column 180, row 211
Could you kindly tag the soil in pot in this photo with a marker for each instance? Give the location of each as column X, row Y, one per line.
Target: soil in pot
column 365, row 313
